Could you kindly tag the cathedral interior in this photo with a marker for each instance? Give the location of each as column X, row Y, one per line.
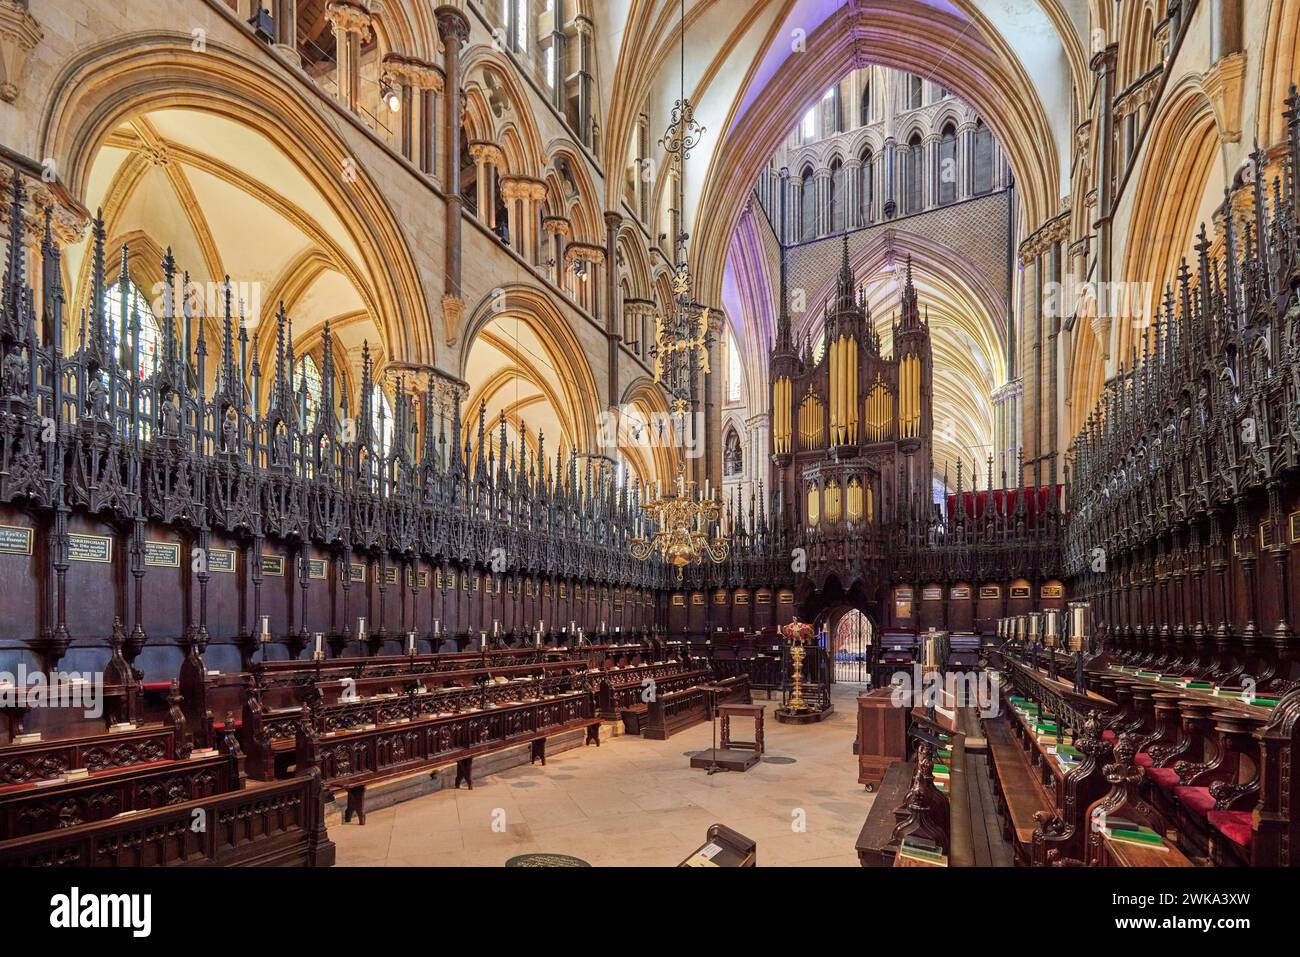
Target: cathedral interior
column 909, row 387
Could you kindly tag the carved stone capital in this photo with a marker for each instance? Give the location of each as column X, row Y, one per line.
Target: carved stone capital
column 413, row 73
column 1223, row 85
column 346, row 16
column 486, row 152
column 453, row 25
column 557, row 225
column 19, row 34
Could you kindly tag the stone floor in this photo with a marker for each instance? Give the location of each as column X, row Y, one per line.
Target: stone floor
column 637, row 803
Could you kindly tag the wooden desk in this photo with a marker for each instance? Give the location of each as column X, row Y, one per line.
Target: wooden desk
column 723, row 848
column 882, row 736
column 1122, row 854
column 755, row 711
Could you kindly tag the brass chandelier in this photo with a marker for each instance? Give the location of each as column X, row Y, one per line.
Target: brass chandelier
column 682, row 338
column 685, row 527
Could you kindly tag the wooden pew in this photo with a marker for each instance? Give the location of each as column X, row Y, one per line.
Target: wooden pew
column 277, row 823
column 34, row 808
column 1021, row 796
column 351, row 761
column 619, row 690
column 677, row 710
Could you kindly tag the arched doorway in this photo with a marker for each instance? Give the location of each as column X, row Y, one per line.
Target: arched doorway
column 851, row 641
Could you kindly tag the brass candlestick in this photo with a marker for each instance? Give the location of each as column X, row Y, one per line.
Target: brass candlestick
column 796, row 662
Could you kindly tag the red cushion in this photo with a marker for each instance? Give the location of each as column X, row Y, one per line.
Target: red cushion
column 1234, row 825
column 1142, row 759
column 1109, row 735
column 1166, row 778
column 1197, row 800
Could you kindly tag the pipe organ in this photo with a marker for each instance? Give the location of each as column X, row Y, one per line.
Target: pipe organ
column 863, row 422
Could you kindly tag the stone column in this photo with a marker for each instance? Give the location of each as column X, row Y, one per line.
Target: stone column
column 557, row 230
column 853, row 193
column 488, row 158
column 933, row 170
column 712, row 460
column 890, row 197
column 1103, row 64
column 419, row 81
column 351, row 24
column 536, row 202
column 613, row 321
column 785, row 187
column 822, row 182
column 286, row 30
column 965, row 161
column 453, row 26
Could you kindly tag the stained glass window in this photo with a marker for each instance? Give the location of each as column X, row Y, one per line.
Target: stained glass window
column 381, row 421
column 309, row 375
column 136, row 306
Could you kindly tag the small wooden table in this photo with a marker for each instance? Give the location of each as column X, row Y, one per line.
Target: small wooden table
column 755, row 711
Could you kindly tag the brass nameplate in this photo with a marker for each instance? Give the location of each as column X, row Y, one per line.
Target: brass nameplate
column 990, row 591
column 960, row 592
column 679, row 601
column 90, row 548
column 390, row 576
column 358, row 572
column 221, row 560
column 162, row 554
column 1021, row 591
column 273, row 565
column 931, row 593
column 317, row 568
column 15, row 540
column 1051, row 591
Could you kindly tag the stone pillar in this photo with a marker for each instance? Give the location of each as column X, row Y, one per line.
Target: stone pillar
column 418, row 82
column 852, row 194
column 712, row 460
column 286, row 30
column 822, row 185
column 785, row 195
column 351, row 24
column 613, row 320
column 557, row 230
column 488, row 158
column 1103, row 64
column 453, row 26
column 965, row 161
column 890, row 197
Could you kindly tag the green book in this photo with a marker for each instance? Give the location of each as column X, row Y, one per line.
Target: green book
column 1136, row 837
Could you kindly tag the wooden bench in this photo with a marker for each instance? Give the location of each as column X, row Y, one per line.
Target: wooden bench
column 355, row 785
column 874, row 844
column 1016, row 784
column 669, row 713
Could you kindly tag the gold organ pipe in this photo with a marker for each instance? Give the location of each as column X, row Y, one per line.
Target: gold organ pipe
column 781, row 395
column 851, row 392
column 813, row 503
column 853, row 501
